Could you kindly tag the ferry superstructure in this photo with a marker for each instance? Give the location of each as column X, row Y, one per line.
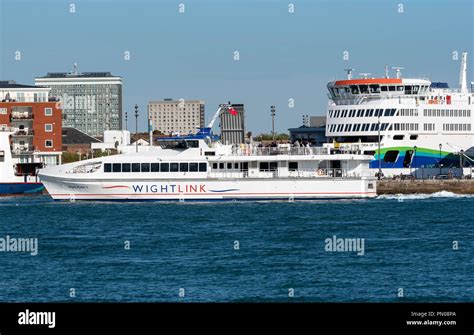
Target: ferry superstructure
column 419, row 123
column 197, row 169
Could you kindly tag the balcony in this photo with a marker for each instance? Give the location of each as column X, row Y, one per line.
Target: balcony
column 24, row 133
column 21, row 116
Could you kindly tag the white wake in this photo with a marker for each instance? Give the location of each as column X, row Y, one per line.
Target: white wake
column 418, row 196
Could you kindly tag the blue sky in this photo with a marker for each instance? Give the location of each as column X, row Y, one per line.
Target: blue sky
column 191, row 55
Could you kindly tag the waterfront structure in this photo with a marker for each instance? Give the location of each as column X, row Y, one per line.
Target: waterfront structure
column 11, row 91
column 176, row 116
column 405, row 124
column 312, row 132
column 76, row 141
column 30, row 136
column 91, row 101
column 232, row 124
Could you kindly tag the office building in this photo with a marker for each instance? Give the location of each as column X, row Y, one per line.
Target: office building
column 91, row 101
column 176, row 116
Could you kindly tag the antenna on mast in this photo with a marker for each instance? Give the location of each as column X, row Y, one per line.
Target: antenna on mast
column 386, row 72
column 398, row 70
column 349, row 73
column 463, row 73
column 366, row 75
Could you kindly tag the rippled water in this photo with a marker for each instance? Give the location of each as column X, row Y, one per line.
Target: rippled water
column 408, row 244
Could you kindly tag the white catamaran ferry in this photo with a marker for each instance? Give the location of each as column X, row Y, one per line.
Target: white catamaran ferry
column 420, row 124
column 196, row 168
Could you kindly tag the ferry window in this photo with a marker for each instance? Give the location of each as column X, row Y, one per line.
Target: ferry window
column 2, row 156
column 407, row 159
column 364, row 89
column 400, row 88
column 183, row 167
column 371, row 113
column 374, row 89
column 125, row 167
column 293, row 166
column 392, row 111
column 165, row 167
column 387, row 112
column 116, row 167
column 415, row 89
column 193, row 167
column 209, row 153
column 367, row 112
column 135, row 167
column 174, row 167
column 236, row 166
column 391, row 88
column 155, row 167
column 372, row 128
column 145, row 167
column 229, row 166
column 221, row 166
column 413, row 137
column 107, row 167
column 354, row 89
column 214, row 166
column 370, row 152
column 263, row 166
column 203, row 167
column 273, row 166
column 390, row 156
column 383, row 88
column 408, row 89
column 360, row 112
column 398, row 137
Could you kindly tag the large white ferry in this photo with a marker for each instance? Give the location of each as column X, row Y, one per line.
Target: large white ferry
column 196, row 168
column 420, row 124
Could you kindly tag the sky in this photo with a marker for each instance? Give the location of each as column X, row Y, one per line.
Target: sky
column 285, row 58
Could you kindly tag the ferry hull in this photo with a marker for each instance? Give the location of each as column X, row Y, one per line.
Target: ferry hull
column 211, row 190
column 20, row 188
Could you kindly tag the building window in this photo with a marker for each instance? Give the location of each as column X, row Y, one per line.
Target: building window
column 48, row 127
column 3, row 111
column 48, row 111
column 48, row 143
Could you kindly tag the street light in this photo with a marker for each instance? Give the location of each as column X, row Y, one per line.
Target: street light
column 136, row 127
column 272, row 112
column 380, row 162
column 439, row 163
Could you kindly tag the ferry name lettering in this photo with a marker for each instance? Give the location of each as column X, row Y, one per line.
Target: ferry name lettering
column 171, row 188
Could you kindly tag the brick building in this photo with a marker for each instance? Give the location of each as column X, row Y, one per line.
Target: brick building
column 37, row 131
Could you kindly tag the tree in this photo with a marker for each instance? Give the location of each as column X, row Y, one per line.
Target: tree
column 269, row 137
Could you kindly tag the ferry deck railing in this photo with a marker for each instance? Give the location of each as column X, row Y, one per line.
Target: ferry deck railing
column 272, row 151
column 300, row 173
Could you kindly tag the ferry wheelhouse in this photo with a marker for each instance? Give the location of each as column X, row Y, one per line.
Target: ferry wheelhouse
column 420, row 124
column 184, row 169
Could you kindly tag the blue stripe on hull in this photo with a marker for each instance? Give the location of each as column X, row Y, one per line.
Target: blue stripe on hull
column 20, row 188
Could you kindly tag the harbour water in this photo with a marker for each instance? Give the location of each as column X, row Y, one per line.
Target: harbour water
column 418, row 246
